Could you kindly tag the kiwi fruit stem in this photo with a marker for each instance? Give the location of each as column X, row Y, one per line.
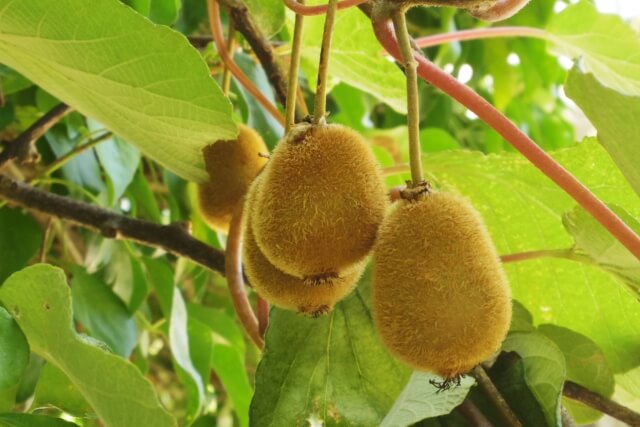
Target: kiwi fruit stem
column 235, row 279
column 413, row 102
column 319, row 111
column 496, row 398
column 296, row 50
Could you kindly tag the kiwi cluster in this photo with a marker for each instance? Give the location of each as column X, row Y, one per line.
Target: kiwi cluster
column 312, row 218
column 232, row 166
column 441, row 298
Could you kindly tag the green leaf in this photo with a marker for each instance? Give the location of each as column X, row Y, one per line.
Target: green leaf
column 20, row 239
column 54, row 388
column 607, row 45
column 332, row 369
column 40, row 301
column 164, row 11
column 594, row 241
column 615, row 116
column 523, row 211
column 420, row 399
column 544, row 370
column 356, row 58
column 102, row 313
column 28, row 420
column 267, row 14
column 14, row 358
column 586, row 365
column 120, row 162
column 143, row 81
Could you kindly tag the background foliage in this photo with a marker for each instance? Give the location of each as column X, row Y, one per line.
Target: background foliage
column 121, row 334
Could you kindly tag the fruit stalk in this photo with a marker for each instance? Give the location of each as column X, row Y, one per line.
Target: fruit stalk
column 292, row 88
column 510, row 132
column 235, row 280
column 492, row 393
column 413, row 102
column 323, row 67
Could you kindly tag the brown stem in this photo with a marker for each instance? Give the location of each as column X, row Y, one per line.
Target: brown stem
column 472, row 414
column 510, row 132
column 594, row 400
column 292, row 90
column 319, row 111
column 174, row 238
column 261, row 47
column 494, row 395
column 21, row 146
column 226, row 76
column 480, row 33
column 545, row 253
column 235, row 279
column 263, row 315
column 218, row 38
column 300, row 9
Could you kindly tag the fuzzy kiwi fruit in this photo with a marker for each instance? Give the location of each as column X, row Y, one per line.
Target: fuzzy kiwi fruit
column 231, row 165
column 441, row 298
column 321, row 203
column 286, row 291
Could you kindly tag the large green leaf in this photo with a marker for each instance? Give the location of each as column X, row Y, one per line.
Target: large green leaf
column 523, row 211
column 586, row 365
column 40, row 301
column 616, row 118
column 14, row 358
column 54, row 388
column 607, row 45
column 420, row 399
column 20, row 239
column 332, row 370
column 355, row 58
column 28, row 420
column 544, row 370
column 143, row 81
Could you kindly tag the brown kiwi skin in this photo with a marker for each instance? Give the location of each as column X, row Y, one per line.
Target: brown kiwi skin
column 441, row 298
column 283, row 290
column 323, row 199
column 232, row 166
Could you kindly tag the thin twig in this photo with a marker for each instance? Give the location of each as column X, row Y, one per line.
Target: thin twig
column 235, row 279
column 545, row 253
column 472, row 414
column 263, row 50
column 300, row 9
column 583, row 395
column 512, row 134
column 78, row 149
column 296, row 51
column 174, row 238
column 45, row 240
column 413, row 101
column 494, row 395
column 479, row 34
column 21, row 146
column 218, row 38
column 226, row 76
column 263, row 315
column 320, row 108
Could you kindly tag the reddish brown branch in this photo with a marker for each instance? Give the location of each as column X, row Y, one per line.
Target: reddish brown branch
column 235, row 279
column 480, row 33
column 20, row 148
column 263, row 315
column 594, row 400
column 174, row 238
column 321, row 9
column 218, row 38
column 510, row 132
column 472, row 414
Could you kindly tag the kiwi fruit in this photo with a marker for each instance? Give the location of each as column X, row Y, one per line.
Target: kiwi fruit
column 232, row 166
column 441, row 298
column 283, row 290
column 322, row 200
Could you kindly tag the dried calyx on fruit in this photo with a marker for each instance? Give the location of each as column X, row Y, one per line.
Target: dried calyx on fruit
column 441, row 298
column 321, row 203
column 232, row 166
column 286, row 291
